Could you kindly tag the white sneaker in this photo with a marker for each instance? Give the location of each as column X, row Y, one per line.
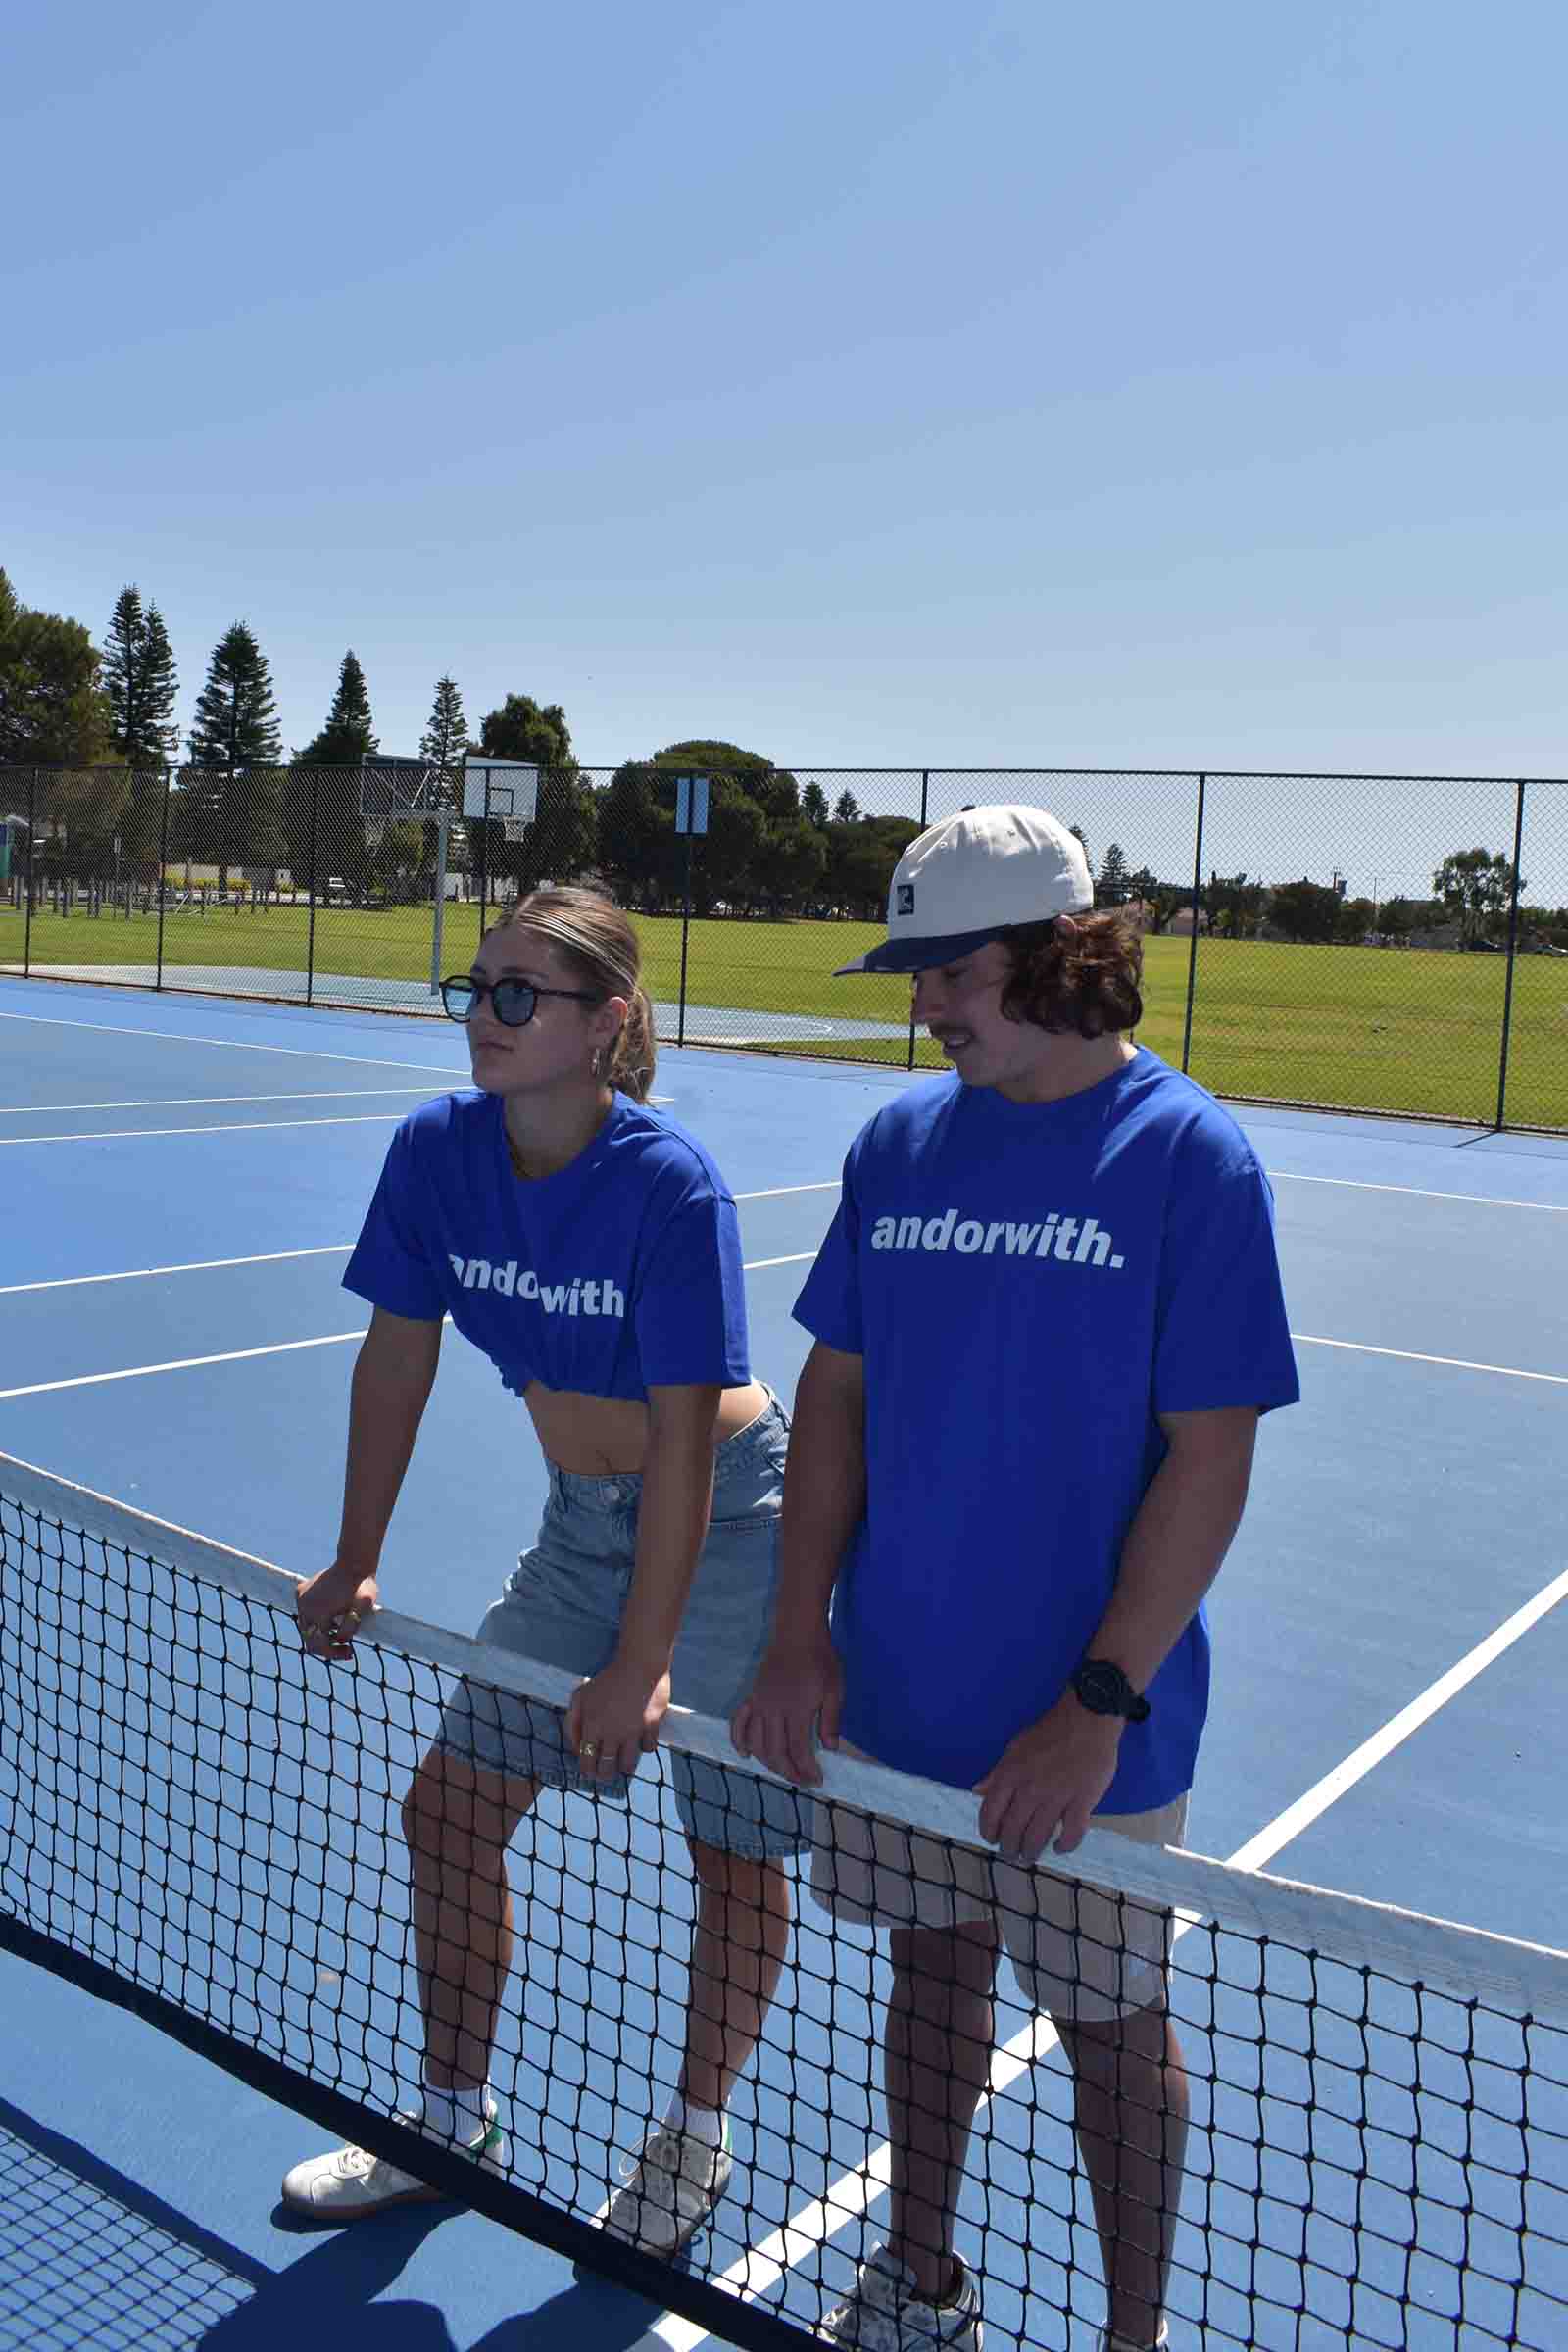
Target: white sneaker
column 886, row 2313
column 669, row 2191
column 347, row 2183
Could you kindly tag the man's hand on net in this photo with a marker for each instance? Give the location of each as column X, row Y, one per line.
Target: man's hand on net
column 795, row 1701
column 1048, row 1782
column 332, row 1609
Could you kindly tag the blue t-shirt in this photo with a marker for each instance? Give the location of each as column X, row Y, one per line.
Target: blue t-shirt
column 1030, row 1285
column 620, row 1272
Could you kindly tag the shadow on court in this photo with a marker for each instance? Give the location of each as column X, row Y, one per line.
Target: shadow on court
column 93, row 2259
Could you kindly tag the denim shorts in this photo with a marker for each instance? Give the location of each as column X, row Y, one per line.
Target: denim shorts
column 565, row 1605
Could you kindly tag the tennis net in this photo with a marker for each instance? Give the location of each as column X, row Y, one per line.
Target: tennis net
column 201, row 1824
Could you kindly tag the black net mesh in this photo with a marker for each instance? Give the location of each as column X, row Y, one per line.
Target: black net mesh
column 200, row 1823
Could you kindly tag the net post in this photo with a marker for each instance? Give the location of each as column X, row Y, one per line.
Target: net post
column 1513, row 955
column 33, row 840
column 163, row 861
column 315, row 853
column 1198, row 901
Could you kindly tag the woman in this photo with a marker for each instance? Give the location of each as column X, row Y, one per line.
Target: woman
column 590, row 1248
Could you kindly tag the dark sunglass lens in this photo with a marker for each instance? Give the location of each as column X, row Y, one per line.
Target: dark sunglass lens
column 458, row 999
column 514, row 1002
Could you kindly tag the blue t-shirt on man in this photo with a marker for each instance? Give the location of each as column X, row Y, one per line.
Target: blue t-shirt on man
column 619, row 1273
column 1030, row 1285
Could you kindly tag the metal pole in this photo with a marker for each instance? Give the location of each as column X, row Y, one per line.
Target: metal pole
column 1513, row 949
column 685, row 928
column 484, row 855
column 32, row 847
column 1198, row 901
column 163, row 853
column 316, row 852
column 925, row 797
column 442, row 821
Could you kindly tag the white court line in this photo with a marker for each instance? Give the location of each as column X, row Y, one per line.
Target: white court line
column 236, row 1045
column 777, row 1191
column 199, row 1266
column 319, row 1094
column 1414, row 1355
column 184, row 1363
column 1358, row 1183
column 120, row 1135
column 847, row 2199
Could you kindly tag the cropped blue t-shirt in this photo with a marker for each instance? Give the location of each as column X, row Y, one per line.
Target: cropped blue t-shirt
column 1030, row 1285
column 619, row 1273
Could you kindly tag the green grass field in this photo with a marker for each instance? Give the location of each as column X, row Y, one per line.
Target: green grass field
column 1355, row 1028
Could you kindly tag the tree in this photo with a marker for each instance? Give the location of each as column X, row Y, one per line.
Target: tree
column 336, row 753
column 141, row 682
column 230, row 810
column 846, row 809
column 1475, row 886
column 445, row 740
column 1082, row 839
column 519, row 728
column 53, row 710
column 1114, row 883
column 1233, row 905
column 814, row 804
column 1306, row 911
column 348, row 734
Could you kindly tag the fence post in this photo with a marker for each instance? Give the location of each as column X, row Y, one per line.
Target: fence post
column 1198, row 901
column 33, row 845
column 1513, row 949
column 163, row 865
column 925, row 794
column 310, row 924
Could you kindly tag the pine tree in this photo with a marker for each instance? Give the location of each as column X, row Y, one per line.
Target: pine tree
column 330, row 806
column 347, row 734
column 228, row 815
column 1112, row 886
column 236, row 719
column 140, row 680
column 446, row 740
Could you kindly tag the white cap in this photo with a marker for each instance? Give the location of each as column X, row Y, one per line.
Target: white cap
column 974, row 875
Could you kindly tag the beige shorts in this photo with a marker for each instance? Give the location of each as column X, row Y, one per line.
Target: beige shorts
column 1081, row 1955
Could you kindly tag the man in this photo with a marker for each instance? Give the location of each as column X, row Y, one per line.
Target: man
column 1047, row 1318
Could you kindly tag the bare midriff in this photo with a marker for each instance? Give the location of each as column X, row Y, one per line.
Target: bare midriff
column 606, row 1436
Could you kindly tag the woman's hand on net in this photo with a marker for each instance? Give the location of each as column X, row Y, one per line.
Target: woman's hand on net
column 613, row 1718
column 332, row 1607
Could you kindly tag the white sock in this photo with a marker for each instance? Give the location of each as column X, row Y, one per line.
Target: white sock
column 707, row 2124
column 458, row 2112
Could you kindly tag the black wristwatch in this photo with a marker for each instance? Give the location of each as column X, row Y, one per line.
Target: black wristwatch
column 1105, row 1690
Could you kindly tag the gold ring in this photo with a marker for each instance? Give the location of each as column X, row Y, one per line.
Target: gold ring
column 589, row 1748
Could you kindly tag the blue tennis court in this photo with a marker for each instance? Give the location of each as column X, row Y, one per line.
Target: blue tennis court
column 181, row 1183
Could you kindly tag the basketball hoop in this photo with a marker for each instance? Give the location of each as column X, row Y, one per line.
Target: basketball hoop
column 515, row 828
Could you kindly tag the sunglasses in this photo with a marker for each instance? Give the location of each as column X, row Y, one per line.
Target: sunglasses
column 513, row 1002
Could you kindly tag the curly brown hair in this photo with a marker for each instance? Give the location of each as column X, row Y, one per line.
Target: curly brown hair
column 1084, row 981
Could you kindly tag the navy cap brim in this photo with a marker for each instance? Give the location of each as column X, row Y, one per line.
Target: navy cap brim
column 919, row 955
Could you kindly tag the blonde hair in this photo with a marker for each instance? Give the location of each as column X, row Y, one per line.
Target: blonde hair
column 603, row 952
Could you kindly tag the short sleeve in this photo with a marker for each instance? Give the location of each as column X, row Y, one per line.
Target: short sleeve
column 1223, row 1335
column 829, row 1305
column 393, row 1265
column 689, row 1309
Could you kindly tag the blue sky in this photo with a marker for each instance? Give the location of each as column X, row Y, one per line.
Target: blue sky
column 997, row 384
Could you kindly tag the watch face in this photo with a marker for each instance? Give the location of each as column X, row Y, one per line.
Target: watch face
column 1105, row 1690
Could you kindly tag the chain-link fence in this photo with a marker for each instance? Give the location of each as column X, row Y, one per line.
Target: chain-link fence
column 1394, row 944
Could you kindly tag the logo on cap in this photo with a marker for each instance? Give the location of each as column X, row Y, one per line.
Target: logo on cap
column 905, row 897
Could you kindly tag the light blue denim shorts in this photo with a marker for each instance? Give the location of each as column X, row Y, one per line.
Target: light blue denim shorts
column 565, row 1605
